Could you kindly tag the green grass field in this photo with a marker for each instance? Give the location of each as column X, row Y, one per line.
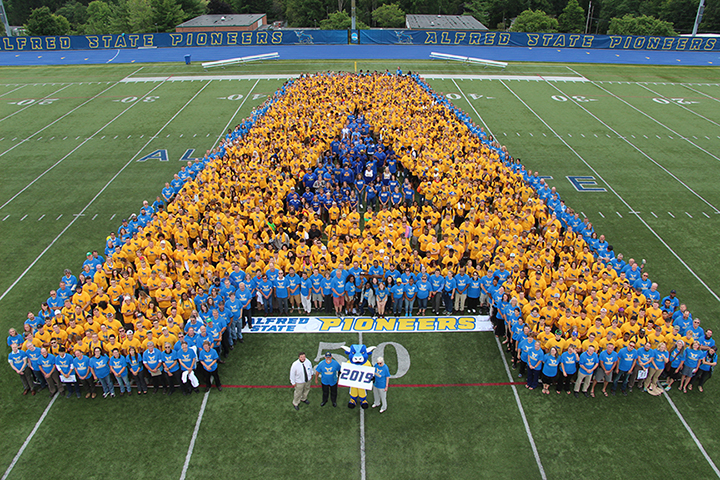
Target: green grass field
column 649, row 137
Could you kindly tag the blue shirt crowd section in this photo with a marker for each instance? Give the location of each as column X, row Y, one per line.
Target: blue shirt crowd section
column 370, row 37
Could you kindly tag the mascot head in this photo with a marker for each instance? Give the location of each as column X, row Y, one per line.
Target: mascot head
column 358, row 354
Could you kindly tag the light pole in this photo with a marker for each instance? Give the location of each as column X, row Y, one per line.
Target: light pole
column 698, row 17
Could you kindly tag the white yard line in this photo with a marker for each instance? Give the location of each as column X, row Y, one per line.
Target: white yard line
column 637, row 149
column 57, row 120
column 190, row 78
column 82, row 212
column 194, row 436
column 715, row 296
column 473, row 107
column 75, row 149
column 692, row 434
column 27, row 440
column 363, row 470
column 701, row 93
column 679, row 105
column 11, row 91
column 223, row 133
column 34, row 103
column 656, row 121
column 522, row 412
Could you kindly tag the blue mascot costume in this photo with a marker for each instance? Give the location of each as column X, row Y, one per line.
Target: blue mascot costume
column 358, row 354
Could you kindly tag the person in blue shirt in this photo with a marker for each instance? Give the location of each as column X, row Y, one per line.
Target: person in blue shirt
column 99, row 366
column 46, row 365
column 152, row 361
column 265, row 287
column 568, row 369
column 66, row 372
column 660, row 357
column 706, row 368
column 437, row 282
column 316, row 289
column 186, row 359
column 244, row 296
column 551, row 361
column 381, row 384
column 327, row 371
column 525, row 345
column 208, row 359
column 462, row 283
column 410, row 293
column 627, row 359
column 608, row 367
column 674, row 301
column 135, row 368
column 588, row 363
column 171, row 368
column 535, row 363
column 350, row 293
column 693, row 357
column 382, row 294
column 281, row 286
column 20, row 363
column 337, row 285
column 449, row 289
column 294, row 280
column 119, row 368
column 81, row 364
column 423, row 293
column 677, row 356
column 473, row 293
column 398, row 293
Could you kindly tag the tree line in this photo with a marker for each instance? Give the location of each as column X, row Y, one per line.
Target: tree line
column 615, row 17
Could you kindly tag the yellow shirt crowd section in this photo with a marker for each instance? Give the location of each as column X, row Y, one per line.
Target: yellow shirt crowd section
column 219, row 221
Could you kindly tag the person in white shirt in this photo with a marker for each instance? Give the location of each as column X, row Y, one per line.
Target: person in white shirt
column 301, row 372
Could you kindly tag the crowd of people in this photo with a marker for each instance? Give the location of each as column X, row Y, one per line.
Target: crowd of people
column 355, row 194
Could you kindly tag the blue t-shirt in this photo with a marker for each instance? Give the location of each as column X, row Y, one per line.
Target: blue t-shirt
column 100, row 366
column 535, row 358
column 381, row 376
column 525, row 345
column 328, row 371
column 626, row 358
column 169, row 360
column 135, row 363
column 152, row 359
column 118, row 364
column 17, row 359
column 185, row 358
column 281, row 287
column 398, row 290
column 588, row 362
column 338, row 287
column 208, row 357
column 550, row 365
column 423, row 289
column 693, row 357
column 411, row 291
column 46, row 364
column 82, row 366
column 569, row 361
column 608, row 359
column 660, row 358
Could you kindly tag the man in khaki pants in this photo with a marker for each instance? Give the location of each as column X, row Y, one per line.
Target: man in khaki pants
column 301, row 373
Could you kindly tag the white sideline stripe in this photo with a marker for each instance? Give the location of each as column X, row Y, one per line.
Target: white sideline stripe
column 27, row 440
column 522, row 412
column 534, row 78
column 223, row 133
column 656, row 121
column 701, row 93
column 75, row 149
column 715, row 296
column 34, row 103
column 82, row 212
column 68, row 113
column 638, row 149
column 363, row 470
column 473, row 107
column 692, row 434
column 680, row 105
column 183, row 78
column 194, row 436
column 11, row 91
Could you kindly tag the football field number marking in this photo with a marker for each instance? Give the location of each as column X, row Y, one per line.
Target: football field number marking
column 148, row 99
column 577, row 98
column 668, row 101
column 403, row 357
column 30, row 101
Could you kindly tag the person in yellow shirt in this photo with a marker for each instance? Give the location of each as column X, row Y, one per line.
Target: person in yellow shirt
column 131, row 341
column 558, row 342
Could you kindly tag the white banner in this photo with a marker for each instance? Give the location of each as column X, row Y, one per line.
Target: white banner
column 358, row 376
column 368, row 324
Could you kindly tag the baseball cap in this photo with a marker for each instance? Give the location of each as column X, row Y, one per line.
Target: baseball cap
column 88, row 254
column 57, row 312
column 673, row 291
column 328, row 354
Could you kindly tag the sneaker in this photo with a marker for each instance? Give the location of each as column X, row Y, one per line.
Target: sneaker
column 334, row 404
column 625, row 393
column 112, row 395
column 105, row 395
column 576, row 394
column 78, row 394
column 667, row 389
column 306, row 402
column 296, row 407
column 322, row 404
column 375, row 405
column 219, row 388
column 586, row 394
column 382, row 410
